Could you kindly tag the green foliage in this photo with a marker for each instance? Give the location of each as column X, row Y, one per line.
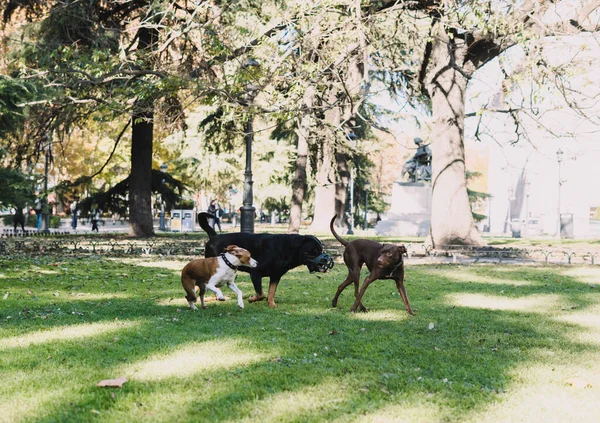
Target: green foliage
column 13, row 93
column 16, row 189
column 115, row 199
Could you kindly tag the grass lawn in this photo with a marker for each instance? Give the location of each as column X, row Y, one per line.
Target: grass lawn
column 488, row 343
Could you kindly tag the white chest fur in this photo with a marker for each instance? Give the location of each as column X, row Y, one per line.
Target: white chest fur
column 224, row 273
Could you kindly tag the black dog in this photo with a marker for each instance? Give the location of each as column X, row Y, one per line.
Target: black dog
column 276, row 254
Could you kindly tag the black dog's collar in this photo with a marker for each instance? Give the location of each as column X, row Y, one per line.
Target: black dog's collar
column 227, row 262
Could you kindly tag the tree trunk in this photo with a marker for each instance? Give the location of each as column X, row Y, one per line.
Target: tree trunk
column 451, row 219
column 140, row 178
column 299, row 184
column 341, row 187
column 142, row 133
column 325, row 185
column 324, row 190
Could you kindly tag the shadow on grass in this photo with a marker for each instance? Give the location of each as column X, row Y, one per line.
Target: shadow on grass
column 307, row 362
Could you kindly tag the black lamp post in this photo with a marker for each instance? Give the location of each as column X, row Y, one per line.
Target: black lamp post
column 351, row 218
column 163, row 168
column 367, row 184
column 559, row 159
column 45, row 205
column 247, row 210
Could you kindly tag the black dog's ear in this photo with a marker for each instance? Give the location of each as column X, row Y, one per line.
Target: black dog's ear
column 403, row 250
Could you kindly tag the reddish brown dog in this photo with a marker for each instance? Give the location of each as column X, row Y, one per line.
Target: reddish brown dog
column 214, row 272
column 384, row 261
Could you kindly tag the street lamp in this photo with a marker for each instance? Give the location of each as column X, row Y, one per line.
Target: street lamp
column 247, row 210
column 559, row 159
column 351, row 218
column 163, row 168
column 367, row 184
column 45, row 205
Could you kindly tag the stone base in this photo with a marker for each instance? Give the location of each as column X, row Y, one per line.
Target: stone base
column 407, row 225
column 410, row 214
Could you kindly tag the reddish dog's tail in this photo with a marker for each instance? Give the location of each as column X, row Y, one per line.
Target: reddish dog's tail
column 339, row 238
column 203, row 222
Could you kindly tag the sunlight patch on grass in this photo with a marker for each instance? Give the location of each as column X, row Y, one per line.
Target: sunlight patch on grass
column 383, row 315
column 88, row 296
column 541, row 394
column 63, row 333
column 530, row 304
column 176, row 265
column 25, row 407
column 590, row 275
column 589, row 325
column 469, row 277
column 295, row 406
column 194, row 358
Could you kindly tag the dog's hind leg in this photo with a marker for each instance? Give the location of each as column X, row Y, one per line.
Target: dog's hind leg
column 234, row 288
column 351, row 278
column 202, row 287
column 188, row 285
column 358, row 303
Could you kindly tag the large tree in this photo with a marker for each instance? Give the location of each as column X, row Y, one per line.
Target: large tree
column 462, row 36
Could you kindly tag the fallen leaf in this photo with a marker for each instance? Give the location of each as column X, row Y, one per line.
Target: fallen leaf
column 6, row 295
column 333, row 332
column 113, row 383
column 578, row 383
column 431, row 325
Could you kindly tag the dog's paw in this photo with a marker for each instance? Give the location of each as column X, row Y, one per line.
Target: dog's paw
column 256, row 298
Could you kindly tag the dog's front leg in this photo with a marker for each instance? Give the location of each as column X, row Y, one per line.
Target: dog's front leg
column 212, row 285
column 257, row 282
column 234, row 288
column 402, row 291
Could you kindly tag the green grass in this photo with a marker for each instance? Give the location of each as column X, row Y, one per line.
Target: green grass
column 488, row 343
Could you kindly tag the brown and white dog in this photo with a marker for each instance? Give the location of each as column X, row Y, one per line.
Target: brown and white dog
column 212, row 273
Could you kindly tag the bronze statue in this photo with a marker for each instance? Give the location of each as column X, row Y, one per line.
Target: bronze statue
column 418, row 166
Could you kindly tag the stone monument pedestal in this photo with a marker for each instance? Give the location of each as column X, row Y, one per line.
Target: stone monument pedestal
column 410, row 214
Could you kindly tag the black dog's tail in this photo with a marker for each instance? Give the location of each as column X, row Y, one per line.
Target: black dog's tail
column 203, row 222
column 339, row 238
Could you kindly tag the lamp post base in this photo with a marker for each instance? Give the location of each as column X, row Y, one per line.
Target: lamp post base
column 247, row 219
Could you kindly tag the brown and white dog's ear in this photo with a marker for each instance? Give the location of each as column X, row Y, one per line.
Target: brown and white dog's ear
column 230, row 248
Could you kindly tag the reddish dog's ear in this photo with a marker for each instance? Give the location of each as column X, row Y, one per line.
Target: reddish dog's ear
column 230, row 248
